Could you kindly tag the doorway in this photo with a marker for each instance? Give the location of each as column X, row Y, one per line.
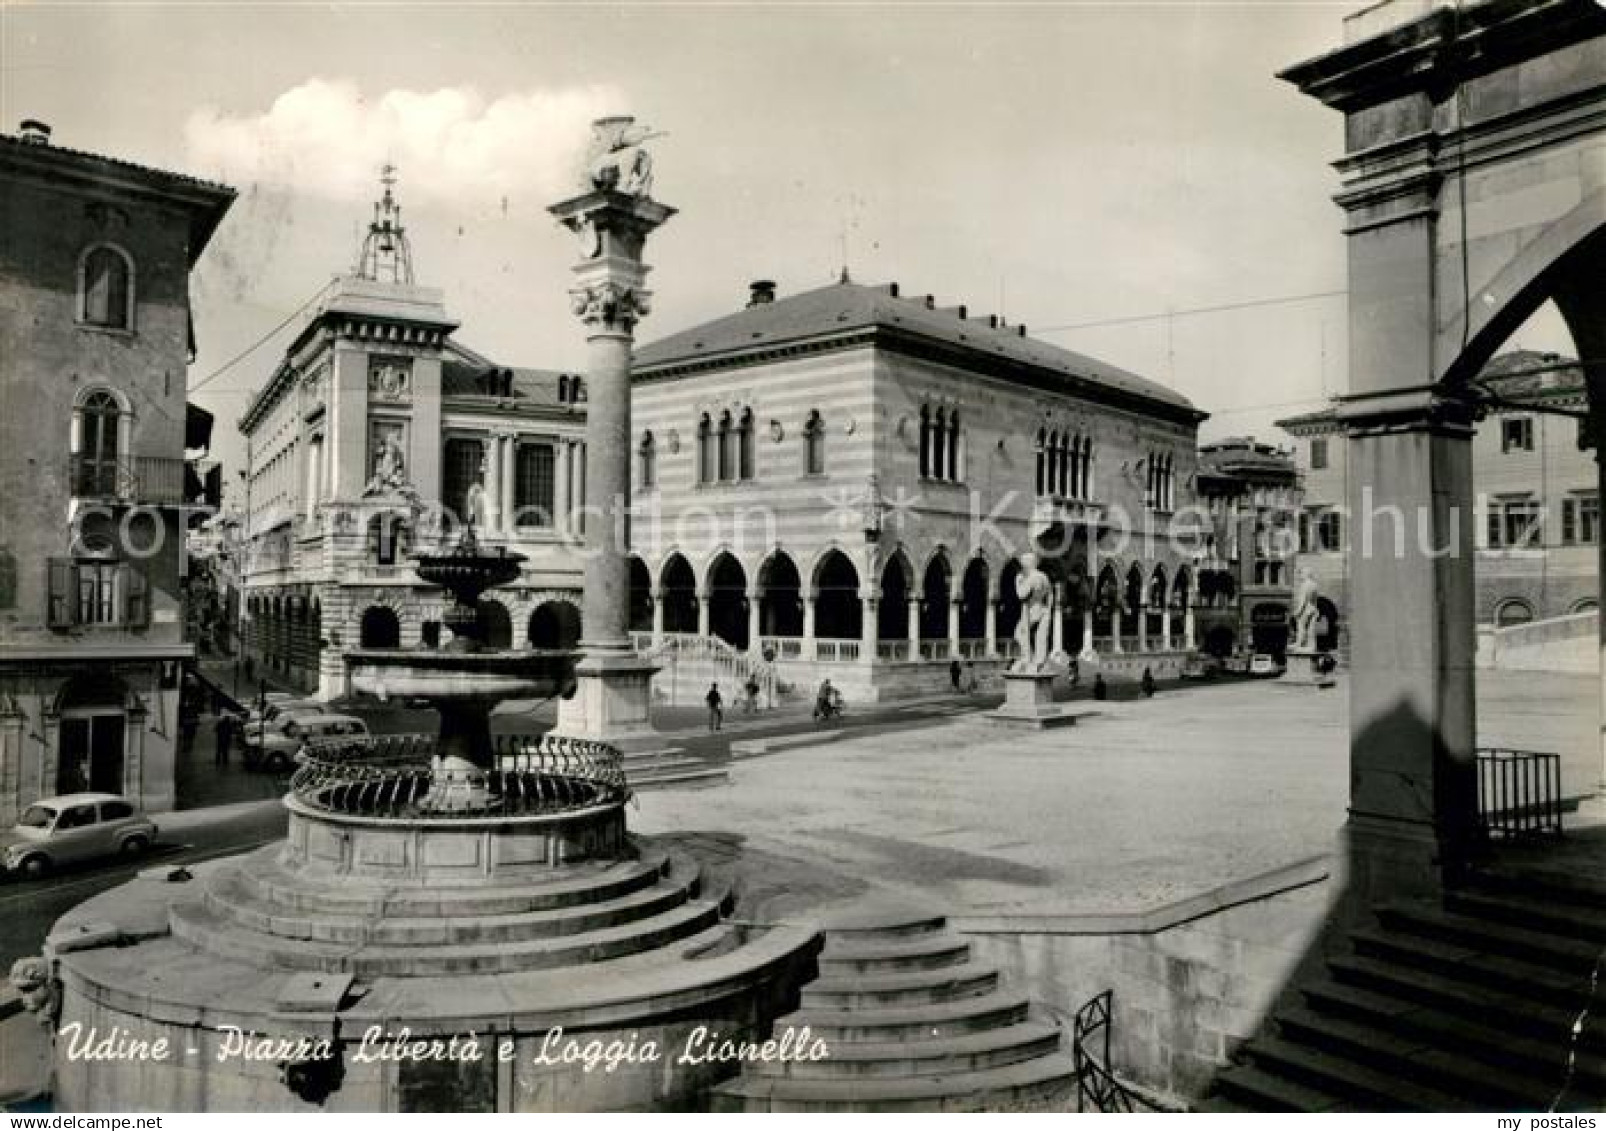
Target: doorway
column 91, row 755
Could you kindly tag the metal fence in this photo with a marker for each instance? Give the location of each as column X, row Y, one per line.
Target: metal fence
column 1519, row 793
column 1097, row 1089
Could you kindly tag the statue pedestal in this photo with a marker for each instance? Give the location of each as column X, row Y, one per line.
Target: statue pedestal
column 1304, row 670
column 1029, row 702
column 612, row 701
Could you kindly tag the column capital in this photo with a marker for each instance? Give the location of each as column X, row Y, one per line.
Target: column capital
column 1418, row 408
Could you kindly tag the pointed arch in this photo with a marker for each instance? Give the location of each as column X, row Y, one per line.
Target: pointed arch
column 677, row 589
column 974, row 594
column 725, row 590
column 838, row 611
column 780, row 589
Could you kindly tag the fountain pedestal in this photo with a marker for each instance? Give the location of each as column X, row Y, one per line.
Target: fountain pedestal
column 612, row 699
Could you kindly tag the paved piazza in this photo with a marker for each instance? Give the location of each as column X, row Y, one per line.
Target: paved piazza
column 1144, row 803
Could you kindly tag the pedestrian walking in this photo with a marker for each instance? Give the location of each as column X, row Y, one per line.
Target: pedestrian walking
column 1147, row 683
column 954, row 673
column 972, row 684
column 751, row 689
column 716, row 707
column 1101, row 690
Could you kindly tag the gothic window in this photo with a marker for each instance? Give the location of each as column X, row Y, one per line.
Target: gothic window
column 106, row 288
column 814, row 445
column 744, row 443
column 1063, row 484
column 727, row 448
column 707, row 457
column 939, row 443
column 534, row 484
column 1042, row 462
column 925, row 441
column 953, row 447
column 647, row 453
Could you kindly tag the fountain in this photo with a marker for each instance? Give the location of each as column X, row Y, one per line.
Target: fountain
column 444, row 910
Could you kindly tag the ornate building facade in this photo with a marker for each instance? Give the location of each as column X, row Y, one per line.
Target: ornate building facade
column 840, row 480
column 95, row 341
column 377, row 430
column 1252, row 492
column 1536, row 520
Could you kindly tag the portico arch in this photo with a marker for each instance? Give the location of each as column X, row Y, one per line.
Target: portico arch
column 838, row 611
column 897, row 587
column 726, row 593
column 677, row 589
column 780, row 596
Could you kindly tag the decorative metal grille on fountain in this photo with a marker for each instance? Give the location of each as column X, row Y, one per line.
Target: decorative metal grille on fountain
column 394, row 777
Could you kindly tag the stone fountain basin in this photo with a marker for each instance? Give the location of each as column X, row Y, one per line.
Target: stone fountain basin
column 444, row 675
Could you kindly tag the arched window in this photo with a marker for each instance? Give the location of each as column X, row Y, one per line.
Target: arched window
column 1042, row 462
column 1052, row 476
column 953, row 446
column 1087, row 469
column 106, row 288
column 1076, row 467
column 707, row 458
column 939, row 443
column 649, row 461
column 1514, row 611
column 96, row 456
column 745, row 453
column 814, row 445
column 727, row 448
column 1063, row 486
column 925, row 441
column 563, row 388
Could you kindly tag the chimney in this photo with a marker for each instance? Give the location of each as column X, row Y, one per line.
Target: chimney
column 892, row 290
column 931, row 302
column 1021, row 330
column 34, row 132
column 761, row 292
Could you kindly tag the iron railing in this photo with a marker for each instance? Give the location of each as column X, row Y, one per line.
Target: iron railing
column 138, row 479
column 1096, row 1084
column 396, row 777
column 1519, row 793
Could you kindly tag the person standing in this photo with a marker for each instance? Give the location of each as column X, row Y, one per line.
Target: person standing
column 223, row 737
column 954, row 673
column 716, row 707
column 1147, row 683
column 1101, row 690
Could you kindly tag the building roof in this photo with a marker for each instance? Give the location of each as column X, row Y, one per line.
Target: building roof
column 204, row 201
column 1518, row 375
column 461, row 377
column 1245, row 457
column 851, row 310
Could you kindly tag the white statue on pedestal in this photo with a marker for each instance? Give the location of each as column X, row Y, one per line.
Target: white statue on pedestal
column 1306, row 612
column 1036, row 595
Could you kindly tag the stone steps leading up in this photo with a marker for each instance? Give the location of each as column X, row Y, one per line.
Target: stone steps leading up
column 988, row 1048
column 909, row 987
column 665, row 766
column 910, row 1023
column 1042, row 1083
column 1468, row 1003
column 233, row 900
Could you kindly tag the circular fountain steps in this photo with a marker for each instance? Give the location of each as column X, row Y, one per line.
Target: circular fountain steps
column 376, row 933
column 911, row 1023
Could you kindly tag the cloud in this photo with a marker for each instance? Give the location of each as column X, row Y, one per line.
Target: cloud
column 326, row 137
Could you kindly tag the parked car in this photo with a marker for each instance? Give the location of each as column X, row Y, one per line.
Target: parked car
column 278, row 750
column 1264, row 664
column 71, row 828
column 1200, row 665
column 279, row 703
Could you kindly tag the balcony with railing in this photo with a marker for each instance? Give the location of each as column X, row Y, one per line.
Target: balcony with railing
column 155, row 480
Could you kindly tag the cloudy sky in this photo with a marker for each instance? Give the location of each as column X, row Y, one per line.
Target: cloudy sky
column 1121, row 164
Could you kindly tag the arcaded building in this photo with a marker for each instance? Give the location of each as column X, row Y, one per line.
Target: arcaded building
column 839, row 480
column 95, row 341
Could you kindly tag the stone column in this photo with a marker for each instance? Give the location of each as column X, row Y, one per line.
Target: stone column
column 581, row 489
column 612, row 699
column 1117, row 627
column 1165, row 628
column 510, row 463
column 1056, row 612
column 1188, row 629
column 809, row 651
column 491, row 517
column 992, row 629
column 914, row 628
column 870, row 630
column 1413, row 784
column 705, row 602
column 562, row 457
column 755, row 624
column 1143, row 628
column 953, row 627
column 1089, row 653
column 657, row 617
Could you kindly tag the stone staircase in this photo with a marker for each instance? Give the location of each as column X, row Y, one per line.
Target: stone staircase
column 911, row 1023
column 671, row 767
column 1462, row 1004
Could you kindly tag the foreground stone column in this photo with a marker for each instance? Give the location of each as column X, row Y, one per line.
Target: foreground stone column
column 1413, row 783
column 657, row 617
column 914, row 628
column 992, row 630
column 809, row 651
column 612, row 696
column 953, row 628
column 755, row 624
column 560, row 488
